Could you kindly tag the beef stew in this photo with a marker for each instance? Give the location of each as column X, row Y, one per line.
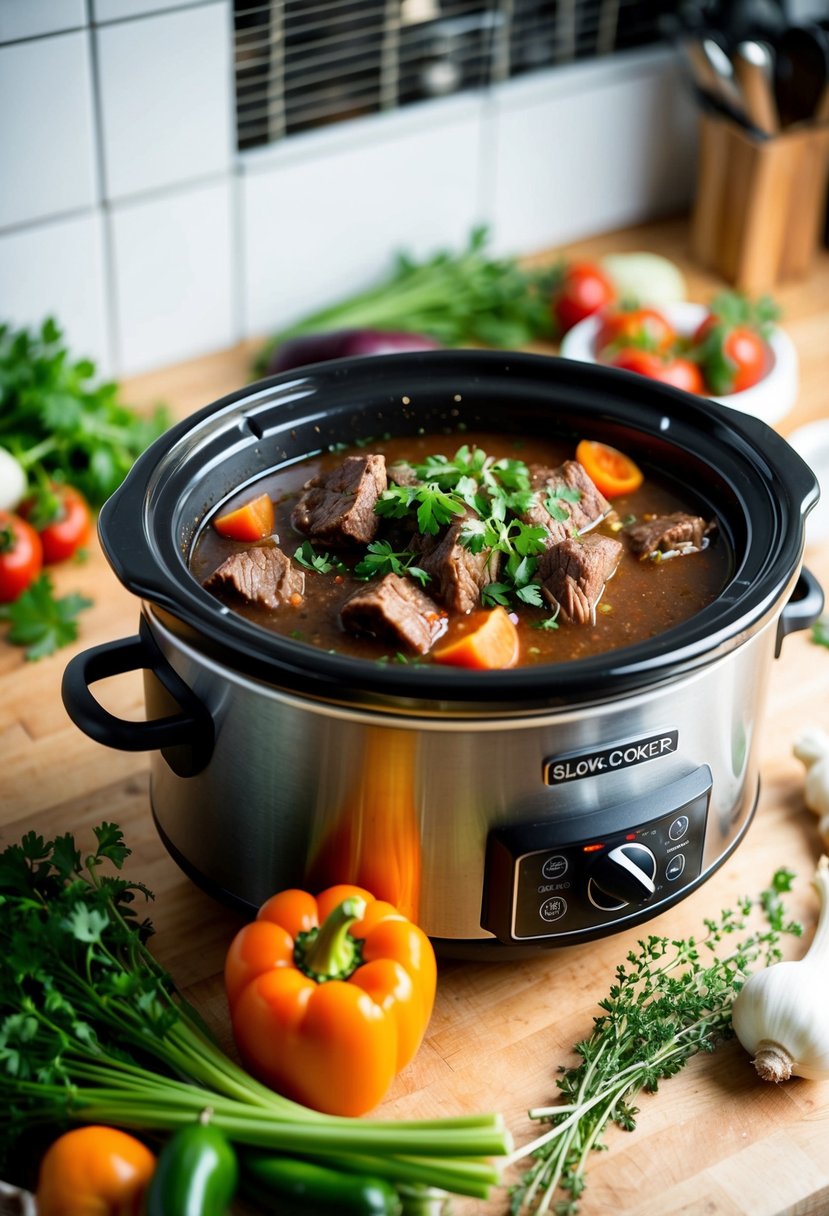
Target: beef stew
column 406, row 540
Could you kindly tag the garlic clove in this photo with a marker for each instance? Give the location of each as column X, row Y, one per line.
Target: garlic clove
column 816, row 788
column 811, row 745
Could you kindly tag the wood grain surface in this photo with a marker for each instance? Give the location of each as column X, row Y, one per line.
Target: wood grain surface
column 714, row 1141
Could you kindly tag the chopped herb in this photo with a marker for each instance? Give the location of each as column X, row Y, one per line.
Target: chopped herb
column 322, row 563
column 40, row 622
column 381, row 559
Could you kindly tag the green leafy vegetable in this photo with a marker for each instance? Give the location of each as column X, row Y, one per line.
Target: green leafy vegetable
column 58, row 422
column 671, row 999
column 456, row 297
column 93, row 1030
column 39, row 621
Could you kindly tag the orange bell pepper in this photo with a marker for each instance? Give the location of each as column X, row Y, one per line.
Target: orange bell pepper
column 330, row 996
column 94, row 1171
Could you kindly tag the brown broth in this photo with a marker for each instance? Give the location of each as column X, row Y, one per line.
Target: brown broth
column 643, row 599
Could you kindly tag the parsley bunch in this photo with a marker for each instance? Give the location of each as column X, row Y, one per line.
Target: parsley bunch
column 671, row 999
column 58, row 422
column 93, row 1030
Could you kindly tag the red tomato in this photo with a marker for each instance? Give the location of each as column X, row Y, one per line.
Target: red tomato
column 679, row 372
column 734, row 358
column 62, row 536
column 21, row 556
column 583, row 290
column 644, row 327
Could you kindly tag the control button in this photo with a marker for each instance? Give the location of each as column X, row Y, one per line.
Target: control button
column 553, row 909
column 675, row 867
column 623, row 875
column 555, row 867
column 678, row 828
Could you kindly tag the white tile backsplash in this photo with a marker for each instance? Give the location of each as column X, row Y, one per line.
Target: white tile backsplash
column 47, row 148
column 165, row 88
column 57, row 269
column 117, row 10
column 318, row 229
column 33, row 18
column 173, row 266
column 126, row 212
column 599, row 154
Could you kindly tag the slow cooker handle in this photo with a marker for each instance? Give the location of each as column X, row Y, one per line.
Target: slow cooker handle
column 803, row 609
column 185, row 738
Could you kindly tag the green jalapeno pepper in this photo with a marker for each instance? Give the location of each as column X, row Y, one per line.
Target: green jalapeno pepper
column 196, row 1175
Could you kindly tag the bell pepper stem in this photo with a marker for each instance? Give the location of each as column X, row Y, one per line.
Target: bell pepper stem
column 330, row 952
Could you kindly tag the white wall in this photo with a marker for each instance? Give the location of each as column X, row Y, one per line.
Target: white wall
column 126, row 211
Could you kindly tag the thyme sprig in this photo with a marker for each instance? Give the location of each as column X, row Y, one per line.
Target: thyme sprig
column 671, row 1000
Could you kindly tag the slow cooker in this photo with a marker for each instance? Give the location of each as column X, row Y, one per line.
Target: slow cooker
column 507, row 811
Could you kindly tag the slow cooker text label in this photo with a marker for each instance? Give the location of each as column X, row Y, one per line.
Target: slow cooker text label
column 560, row 769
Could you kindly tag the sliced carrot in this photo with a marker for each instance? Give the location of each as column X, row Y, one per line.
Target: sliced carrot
column 253, row 521
column 490, row 644
column 610, row 470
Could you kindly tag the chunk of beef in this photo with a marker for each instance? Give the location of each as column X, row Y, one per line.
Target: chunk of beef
column 574, row 572
column 397, row 609
column 678, row 533
column 458, row 574
column 338, row 507
column 580, row 509
column 401, row 473
column 262, row 574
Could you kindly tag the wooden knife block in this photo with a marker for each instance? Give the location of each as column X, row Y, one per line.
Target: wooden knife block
column 758, row 213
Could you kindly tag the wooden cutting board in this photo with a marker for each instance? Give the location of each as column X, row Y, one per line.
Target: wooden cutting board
column 714, row 1141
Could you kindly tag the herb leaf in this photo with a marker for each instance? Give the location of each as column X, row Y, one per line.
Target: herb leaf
column 40, row 622
column 322, row 563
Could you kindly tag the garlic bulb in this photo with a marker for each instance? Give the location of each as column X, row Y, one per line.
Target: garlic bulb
column 780, row 1014
column 812, row 748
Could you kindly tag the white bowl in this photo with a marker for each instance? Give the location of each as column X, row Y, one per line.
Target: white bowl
column 769, row 400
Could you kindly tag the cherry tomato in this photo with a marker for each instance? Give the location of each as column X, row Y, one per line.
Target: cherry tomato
column 68, row 531
column 643, row 327
column 734, row 357
column 584, row 289
column 675, row 370
column 21, row 556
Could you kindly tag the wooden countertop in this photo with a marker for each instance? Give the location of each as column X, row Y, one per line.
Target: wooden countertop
column 714, row 1140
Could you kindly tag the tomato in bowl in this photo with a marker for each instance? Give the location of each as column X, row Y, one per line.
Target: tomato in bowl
column 770, row 398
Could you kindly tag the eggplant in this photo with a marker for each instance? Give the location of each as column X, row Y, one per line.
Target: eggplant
column 344, row 343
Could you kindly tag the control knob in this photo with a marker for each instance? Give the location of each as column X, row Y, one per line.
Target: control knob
column 624, row 875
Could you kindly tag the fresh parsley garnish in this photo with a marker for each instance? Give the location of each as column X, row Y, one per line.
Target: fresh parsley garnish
column 381, row 559
column 40, row 621
column 322, row 563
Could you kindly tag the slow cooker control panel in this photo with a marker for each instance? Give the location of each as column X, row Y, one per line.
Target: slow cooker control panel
column 576, row 876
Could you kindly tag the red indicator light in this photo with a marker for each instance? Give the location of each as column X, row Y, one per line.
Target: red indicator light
column 592, row 848
column 630, row 836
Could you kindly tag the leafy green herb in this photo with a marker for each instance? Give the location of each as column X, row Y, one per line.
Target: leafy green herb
column 381, row 559
column 39, row 621
column 455, row 297
column 671, row 999
column 93, row 1030
column 322, row 563
column 820, row 632
column 58, row 422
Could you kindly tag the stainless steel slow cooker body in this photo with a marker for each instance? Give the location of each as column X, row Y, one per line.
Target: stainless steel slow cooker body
column 510, row 810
